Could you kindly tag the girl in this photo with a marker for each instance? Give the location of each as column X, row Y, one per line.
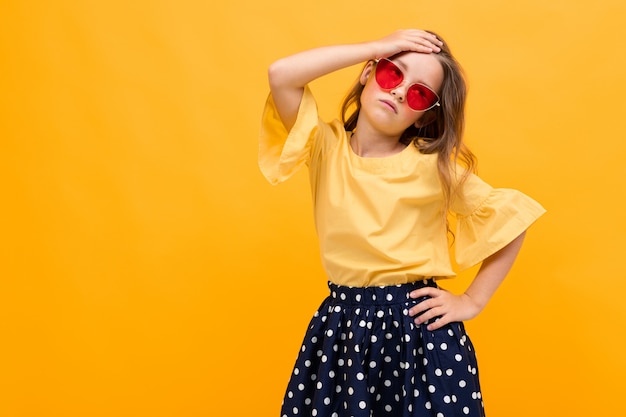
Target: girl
column 388, row 341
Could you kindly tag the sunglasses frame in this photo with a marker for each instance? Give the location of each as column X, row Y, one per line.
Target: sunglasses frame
column 435, row 104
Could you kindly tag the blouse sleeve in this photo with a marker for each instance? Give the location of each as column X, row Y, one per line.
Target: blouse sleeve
column 488, row 219
column 282, row 152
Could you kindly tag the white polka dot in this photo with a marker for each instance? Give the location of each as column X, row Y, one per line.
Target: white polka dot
column 465, row 410
column 416, row 393
column 428, row 405
column 338, row 389
column 440, row 415
column 425, row 361
column 307, row 401
column 380, row 314
column 449, row 372
column 327, row 401
column 431, row 388
column 314, row 412
column 462, row 383
column 453, row 398
column 301, row 387
column 360, row 376
column 389, row 297
column 324, row 358
column 407, row 338
column 296, row 371
column 450, row 332
column 458, row 357
column 319, row 385
column 430, row 346
column 447, row 399
column 342, row 296
column 362, row 323
column 438, row 372
column 374, row 339
column 444, row 346
column 388, row 408
column 387, row 383
column 388, row 359
column 362, row 405
column 358, row 297
column 329, row 333
column 337, row 309
column 313, row 377
column 295, row 410
column 372, row 364
column 290, row 394
column 350, row 391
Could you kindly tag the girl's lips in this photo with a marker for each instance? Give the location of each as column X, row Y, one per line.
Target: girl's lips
column 390, row 104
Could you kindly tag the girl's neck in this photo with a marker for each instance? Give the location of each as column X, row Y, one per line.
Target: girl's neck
column 368, row 145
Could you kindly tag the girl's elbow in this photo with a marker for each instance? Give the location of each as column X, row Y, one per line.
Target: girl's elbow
column 276, row 74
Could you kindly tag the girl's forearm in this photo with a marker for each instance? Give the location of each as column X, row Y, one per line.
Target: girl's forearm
column 296, row 71
column 493, row 271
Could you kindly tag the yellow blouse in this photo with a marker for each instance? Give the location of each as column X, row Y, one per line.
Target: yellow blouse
column 379, row 220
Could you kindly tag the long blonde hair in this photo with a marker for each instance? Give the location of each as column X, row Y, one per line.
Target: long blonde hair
column 443, row 135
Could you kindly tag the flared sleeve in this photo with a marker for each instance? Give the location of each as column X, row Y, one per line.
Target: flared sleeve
column 282, row 152
column 488, row 219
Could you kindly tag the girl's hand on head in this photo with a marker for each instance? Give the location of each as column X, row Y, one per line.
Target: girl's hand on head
column 449, row 307
column 406, row 40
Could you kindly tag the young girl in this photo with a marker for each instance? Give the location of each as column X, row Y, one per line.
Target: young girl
column 388, row 341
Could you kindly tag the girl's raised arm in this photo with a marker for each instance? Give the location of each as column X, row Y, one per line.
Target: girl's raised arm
column 288, row 76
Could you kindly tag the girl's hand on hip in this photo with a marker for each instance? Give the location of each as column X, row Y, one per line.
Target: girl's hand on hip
column 407, row 40
column 443, row 304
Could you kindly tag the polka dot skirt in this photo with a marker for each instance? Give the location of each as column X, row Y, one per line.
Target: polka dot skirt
column 363, row 356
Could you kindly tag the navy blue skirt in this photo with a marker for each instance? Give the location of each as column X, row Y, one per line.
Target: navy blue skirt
column 363, row 356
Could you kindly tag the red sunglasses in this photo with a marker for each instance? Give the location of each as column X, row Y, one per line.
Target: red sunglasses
column 419, row 97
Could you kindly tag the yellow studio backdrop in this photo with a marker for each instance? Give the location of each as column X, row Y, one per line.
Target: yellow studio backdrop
column 147, row 269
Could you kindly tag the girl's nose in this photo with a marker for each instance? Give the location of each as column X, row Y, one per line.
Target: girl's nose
column 398, row 93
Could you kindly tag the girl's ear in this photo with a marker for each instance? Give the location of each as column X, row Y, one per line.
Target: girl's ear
column 367, row 71
column 426, row 119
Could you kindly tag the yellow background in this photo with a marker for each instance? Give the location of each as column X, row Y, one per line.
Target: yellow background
column 146, row 267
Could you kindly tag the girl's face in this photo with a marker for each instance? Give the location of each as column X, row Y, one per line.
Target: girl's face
column 387, row 110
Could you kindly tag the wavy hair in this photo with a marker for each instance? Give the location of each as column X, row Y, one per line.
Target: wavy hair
column 443, row 135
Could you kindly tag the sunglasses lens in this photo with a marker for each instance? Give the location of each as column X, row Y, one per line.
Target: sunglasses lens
column 387, row 74
column 419, row 97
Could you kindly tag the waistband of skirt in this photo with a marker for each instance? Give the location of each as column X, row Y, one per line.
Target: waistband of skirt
column 376, row 295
